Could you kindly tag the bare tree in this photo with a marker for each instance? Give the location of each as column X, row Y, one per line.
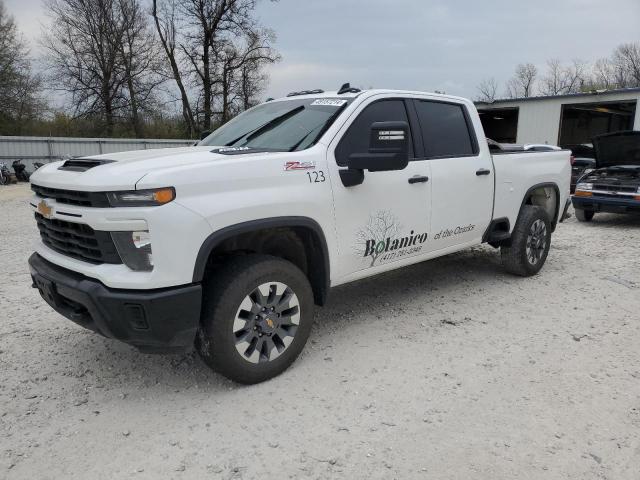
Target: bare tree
column 140, row 62
column 19, row 88
column 522, row 84
column 84, row 56
column 626, row 59
column 165, row 19
column 560, row 79
column 102, row 54
column 240, row 65
column 602, row 75
column 487, row 90
column 210, row 45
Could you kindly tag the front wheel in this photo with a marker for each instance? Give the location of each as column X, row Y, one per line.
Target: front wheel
column 256, row 317
column 584, row 215
column 530, row 242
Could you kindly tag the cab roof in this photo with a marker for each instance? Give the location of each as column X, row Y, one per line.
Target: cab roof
column 370, row 92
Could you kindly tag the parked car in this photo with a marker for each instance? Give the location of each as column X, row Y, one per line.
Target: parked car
column 582, row 161
column 231, row 243
column 579, row 167
column 614, row 185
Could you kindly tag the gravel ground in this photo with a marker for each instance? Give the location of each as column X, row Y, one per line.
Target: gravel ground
column 449, row 369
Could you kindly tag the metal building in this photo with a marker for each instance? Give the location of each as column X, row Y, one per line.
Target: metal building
column 49, row 149
column 561, row 119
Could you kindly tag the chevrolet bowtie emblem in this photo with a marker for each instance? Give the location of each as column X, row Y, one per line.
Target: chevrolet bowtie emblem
column 44, row 209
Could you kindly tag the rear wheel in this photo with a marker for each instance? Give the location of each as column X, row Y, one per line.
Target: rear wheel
column 256, row 318
column 530, row 242
column 584, row 215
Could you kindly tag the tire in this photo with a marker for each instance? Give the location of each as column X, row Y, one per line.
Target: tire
column 238, row 337
column 530, row 242
column 584, row 215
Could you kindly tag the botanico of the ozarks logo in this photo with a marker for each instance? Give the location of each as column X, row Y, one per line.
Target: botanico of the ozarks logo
column 381, row 239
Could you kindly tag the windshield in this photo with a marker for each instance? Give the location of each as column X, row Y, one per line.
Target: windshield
column 288, row 125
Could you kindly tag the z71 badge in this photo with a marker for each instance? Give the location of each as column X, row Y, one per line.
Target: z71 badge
column 288, row 166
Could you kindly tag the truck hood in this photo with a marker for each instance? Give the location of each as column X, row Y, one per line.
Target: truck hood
column 119, row 171
column 619, row 148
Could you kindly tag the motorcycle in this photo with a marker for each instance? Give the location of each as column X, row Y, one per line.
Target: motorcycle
column 21, row 171
column 5, row 174
column 37, row 165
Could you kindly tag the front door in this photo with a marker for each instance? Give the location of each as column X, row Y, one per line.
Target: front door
column 385, row 219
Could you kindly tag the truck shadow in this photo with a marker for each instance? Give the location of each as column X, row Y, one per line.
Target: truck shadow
column 349, row 307
column 457, row 271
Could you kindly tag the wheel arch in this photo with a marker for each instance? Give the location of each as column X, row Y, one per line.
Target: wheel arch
column 537, row 195
column 310, row 234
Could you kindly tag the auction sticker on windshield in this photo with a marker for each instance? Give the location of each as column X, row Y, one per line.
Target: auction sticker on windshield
column 328, row 102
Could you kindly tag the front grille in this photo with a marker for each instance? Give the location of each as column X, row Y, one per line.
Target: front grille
column 604, row 187
column 77, row 240
column 73, row 197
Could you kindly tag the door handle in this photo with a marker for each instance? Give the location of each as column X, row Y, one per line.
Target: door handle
column 418, row 179
column 483, row 171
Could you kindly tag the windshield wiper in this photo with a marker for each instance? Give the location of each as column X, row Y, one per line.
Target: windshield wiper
column 274, row 122
column 297, row 144
column 324, row 126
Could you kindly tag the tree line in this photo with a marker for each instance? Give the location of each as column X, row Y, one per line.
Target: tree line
column 620, row 70
column 174, row 68
column 143, row 68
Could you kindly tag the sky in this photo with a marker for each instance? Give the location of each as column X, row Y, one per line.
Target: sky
column 444, row 45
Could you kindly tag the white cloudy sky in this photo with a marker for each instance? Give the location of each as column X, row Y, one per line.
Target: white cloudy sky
column 445, row 45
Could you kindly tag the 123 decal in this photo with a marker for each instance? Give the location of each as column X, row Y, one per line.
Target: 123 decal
column 317, row 176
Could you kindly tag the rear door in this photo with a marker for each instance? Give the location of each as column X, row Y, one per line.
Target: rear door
column 385, row 219
column 462, row 176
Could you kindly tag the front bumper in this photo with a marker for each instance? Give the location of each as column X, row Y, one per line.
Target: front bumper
column 608, row 205
column 154, row 321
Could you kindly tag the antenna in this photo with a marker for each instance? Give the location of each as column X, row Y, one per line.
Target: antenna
column 347, row 88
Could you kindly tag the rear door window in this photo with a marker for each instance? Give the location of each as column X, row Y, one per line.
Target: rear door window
column 445, row 129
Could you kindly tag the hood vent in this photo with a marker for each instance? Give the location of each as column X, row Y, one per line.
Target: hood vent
column 82, row 164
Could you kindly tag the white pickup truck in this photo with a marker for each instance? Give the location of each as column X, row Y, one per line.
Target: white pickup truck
column 229, row 244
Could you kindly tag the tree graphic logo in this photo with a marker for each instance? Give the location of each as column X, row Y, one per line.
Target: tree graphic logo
column 374, row 238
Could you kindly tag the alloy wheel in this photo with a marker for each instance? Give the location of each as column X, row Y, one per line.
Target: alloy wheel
column 266, row 322
column 536, row 241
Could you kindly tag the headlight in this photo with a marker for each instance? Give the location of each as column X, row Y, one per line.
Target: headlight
column 142, row 198
column 584, row 186
column 134, row 249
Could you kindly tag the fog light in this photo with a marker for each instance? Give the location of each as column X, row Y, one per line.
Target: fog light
column 134, row 249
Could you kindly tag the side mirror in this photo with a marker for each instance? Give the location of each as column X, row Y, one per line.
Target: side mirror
column 205, row 134
column 388, row 148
